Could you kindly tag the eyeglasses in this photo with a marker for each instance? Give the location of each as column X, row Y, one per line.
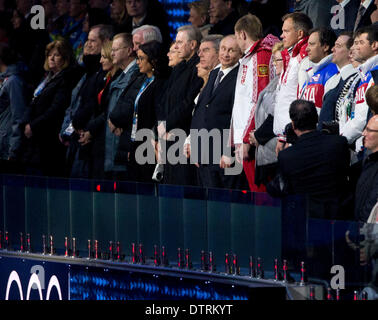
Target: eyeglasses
column 370, row 130
column 114, row 50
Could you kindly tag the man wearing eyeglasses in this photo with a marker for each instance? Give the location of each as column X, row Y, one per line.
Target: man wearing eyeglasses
column 123, row 56
column 367, row 185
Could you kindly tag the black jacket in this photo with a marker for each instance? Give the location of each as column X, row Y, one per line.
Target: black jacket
column 317, row 165
column 45, row 115
column 93, row 84
column 177, row 104
column 225, row 26
column 365, row 20
column 367, row 188
column 214, row 109
column 122, row 117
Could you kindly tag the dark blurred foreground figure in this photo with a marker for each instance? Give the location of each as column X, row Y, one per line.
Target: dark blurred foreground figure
column 367, row 185
column 315, row 165
column 13, row 96
column 43, row 153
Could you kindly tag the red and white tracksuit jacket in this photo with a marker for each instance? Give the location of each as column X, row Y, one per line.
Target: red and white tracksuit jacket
column 254, row 74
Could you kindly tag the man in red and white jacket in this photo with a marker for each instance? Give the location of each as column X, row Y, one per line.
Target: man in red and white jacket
column 295, row 31
column 254, row 74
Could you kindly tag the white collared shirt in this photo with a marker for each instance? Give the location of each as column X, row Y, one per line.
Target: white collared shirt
column 366, row 3
column 129, row 66
column 344, row 3
column 228, row 70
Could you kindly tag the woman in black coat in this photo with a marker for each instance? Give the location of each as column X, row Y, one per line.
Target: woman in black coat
column 136, row 110
column 43, row 118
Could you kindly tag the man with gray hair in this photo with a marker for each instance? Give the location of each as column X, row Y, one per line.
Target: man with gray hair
column 209, row 50
column 176, row 106
column 144, row 34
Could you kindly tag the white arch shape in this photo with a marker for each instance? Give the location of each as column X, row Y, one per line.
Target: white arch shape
column 34, row 280
column 53, row 282
column 14, row 277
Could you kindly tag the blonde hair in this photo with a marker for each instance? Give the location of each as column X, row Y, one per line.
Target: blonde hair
column 278, row 46
column 107, row 49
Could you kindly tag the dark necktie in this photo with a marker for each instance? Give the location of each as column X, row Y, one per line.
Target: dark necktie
column 360, row 13
column 218, row 79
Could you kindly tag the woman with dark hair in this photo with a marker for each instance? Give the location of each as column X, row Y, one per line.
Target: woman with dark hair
column 43, row 118
column 136, row 109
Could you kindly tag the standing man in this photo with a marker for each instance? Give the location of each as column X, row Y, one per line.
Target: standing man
column 124, row 57
column 83, row 103
column 13, row 97
column 316, row 165
column 175, row 110
column 295, row 31
column 342, row 58
column 366, row 52
column 319, row 49
column 73, row 30
column 213, row 112
column 254, row 74
column 366, row 8
column 367, row 185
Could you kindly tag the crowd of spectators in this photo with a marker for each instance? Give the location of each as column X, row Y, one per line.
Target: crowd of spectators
column 288, row 101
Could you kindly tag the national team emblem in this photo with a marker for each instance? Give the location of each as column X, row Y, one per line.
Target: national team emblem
column 262, row 70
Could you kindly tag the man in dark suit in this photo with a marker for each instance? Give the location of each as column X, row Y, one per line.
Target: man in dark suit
column 366, row 8
column 174, row 112
column 212, row 116
column 316, row 165
column 348, row 10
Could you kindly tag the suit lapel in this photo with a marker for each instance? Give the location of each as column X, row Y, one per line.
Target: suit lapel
column 223, row 84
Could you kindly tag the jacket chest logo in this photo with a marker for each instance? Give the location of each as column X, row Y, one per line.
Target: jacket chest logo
column 244, row 73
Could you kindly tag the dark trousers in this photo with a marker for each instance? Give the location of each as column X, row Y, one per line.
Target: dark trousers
column 213, row 176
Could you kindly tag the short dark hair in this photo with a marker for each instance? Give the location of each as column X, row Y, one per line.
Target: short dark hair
column 350, row 41
column 303, row 114
column 105, row 31
column 301, row 21
column 326, row 37
column 371, row 97
column 372, row 33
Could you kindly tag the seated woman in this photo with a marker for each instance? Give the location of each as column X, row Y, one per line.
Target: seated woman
column 136, row 109
column 43, row 117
